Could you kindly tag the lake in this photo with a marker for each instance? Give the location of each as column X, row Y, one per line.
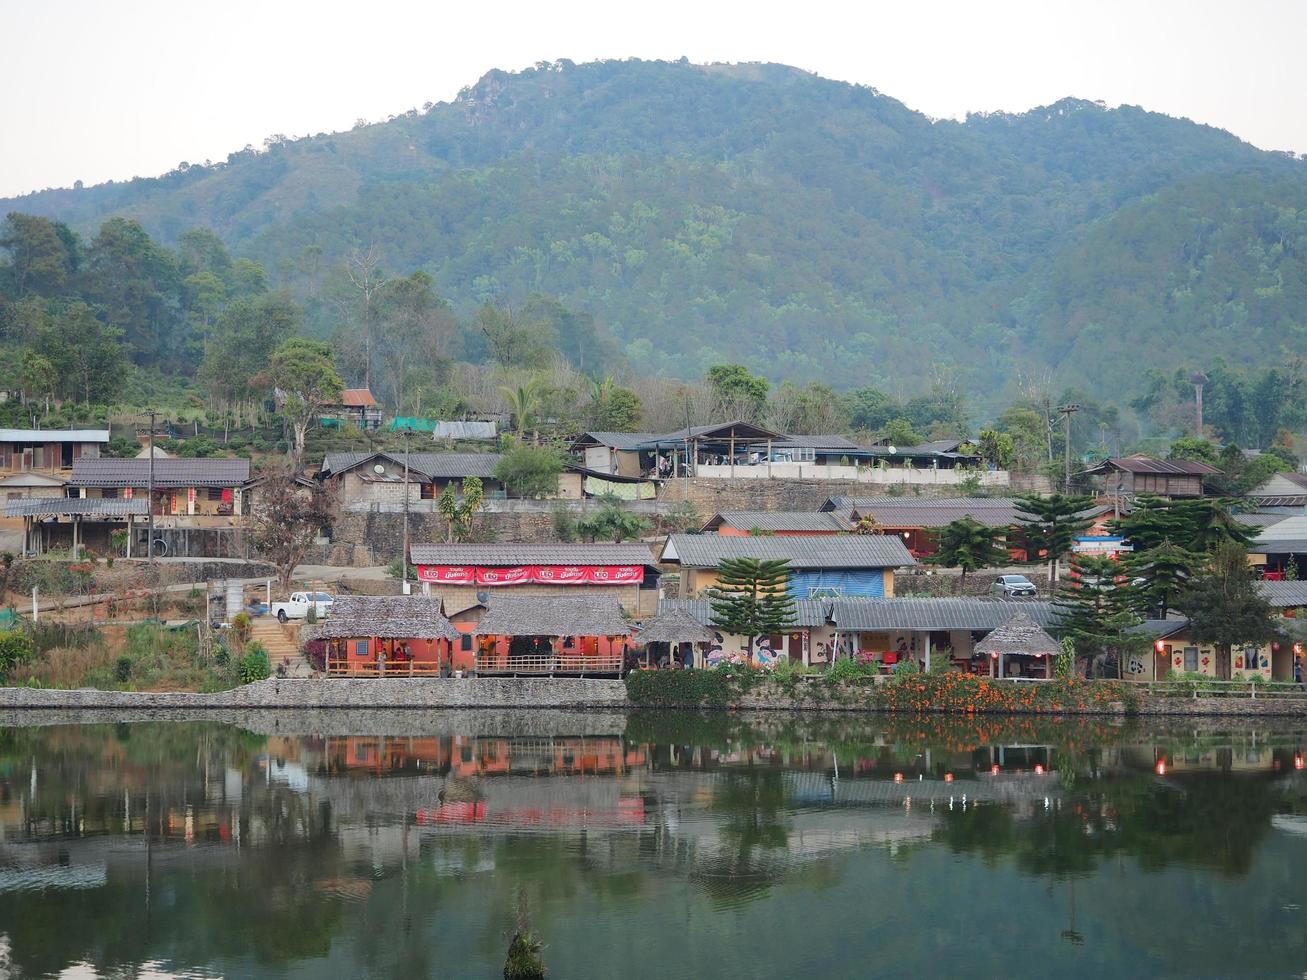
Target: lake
column 673, row 845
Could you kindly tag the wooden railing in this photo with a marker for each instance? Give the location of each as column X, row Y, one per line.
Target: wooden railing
column 1253, row 690
column 344, row 667
column 566, row 662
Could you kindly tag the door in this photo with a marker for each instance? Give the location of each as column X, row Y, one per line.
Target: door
column 1163, row 662
column 1222, row 663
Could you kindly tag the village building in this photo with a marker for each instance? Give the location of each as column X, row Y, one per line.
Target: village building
column 1287, row 490
column 1176, row 479
column 574, row 634
column 820, row 566
column 1175, row 651
column 780, row 523
column 194, row 492
column 404, row 636
column 918, row 520
column 1280, row 549
column 808, row 640
column 357, row 407
column 367, row 479
column 49, row 450
column 74, row 523
column 31, row 485
column 469, row 574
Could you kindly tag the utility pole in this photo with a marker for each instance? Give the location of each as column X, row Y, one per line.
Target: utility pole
column 149, row 494
column 687, row 449
column 403, row 559
column 1066, row 411
column 1198, row 380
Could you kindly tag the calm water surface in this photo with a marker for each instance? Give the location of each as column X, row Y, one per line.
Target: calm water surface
column 667, row 846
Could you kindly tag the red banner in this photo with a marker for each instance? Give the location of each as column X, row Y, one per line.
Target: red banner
column 532, row 575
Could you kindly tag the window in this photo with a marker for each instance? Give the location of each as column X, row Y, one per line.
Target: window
column 215, row 494
column 360, row 648
column 805, row 454
column 109, row 493
column 1190, row 658
column 465, row 642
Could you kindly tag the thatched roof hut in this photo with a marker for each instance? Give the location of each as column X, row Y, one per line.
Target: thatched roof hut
column 674, row 625
column 554, row 615
column 399, row 617
column 1019, row 636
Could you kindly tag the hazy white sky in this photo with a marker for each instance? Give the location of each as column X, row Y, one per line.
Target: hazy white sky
column 95, row 89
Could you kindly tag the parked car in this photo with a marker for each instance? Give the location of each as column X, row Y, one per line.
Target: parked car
column 299, row 603
column 1013, row 587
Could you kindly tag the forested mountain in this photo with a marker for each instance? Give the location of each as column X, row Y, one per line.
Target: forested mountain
column 807, row 228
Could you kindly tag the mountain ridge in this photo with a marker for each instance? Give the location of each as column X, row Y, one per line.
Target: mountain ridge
column 811, row 228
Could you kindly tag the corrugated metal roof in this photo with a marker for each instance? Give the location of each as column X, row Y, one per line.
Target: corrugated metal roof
column 831, row 443
column 826, row 551
column 627, row 553
column 54, row 435
column 1164, row 467
column 1286, row 536
column 1284, row 595
column 1160, row 629
column 922, row 614
column 168, row 473
column 569, row 615
column 999, row 512
column 778, row 520
column 357, row 398
column 621, row 441
column 808, row 613
column 91, row 506
column 422, row 466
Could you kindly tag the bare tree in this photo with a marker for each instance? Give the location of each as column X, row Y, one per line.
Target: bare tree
column 364, row 270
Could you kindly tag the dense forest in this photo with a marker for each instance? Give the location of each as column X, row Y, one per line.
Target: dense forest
column 652, row 220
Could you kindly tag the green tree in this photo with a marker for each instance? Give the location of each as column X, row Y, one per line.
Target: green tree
column 1225, row 607
column 458, row 511
column 38, row 376
column 613, row 408
column 512, row 341
column 870, row 408
column 1096, row 612
column 1050, row 524
column 737, row 392
column 899, row 433
column 137, row 284
column 612, row 522
column 42, row 255
column 15, row 648
column 85, row 352
column 523, row 403
column 969, row 545
column 240, row 349
column 1160, row 574
column 996, row 448
column 751, row 598
column 302, row 371
column 530, row 471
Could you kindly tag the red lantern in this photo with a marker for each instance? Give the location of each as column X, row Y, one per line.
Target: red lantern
column 948, row 777
column 1039, row 770
column 993, row 770
column 1161, row 767
column 898, row 777
column 1160, row 647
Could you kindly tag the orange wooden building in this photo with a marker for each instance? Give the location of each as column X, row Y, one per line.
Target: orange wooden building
column 403, row 636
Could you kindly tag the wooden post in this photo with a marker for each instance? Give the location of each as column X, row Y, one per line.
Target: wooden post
column 769, row 457
column 77, row 526
column 732, row 454
column 928, row 653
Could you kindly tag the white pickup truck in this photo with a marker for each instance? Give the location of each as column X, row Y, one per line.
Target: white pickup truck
column 299, row 604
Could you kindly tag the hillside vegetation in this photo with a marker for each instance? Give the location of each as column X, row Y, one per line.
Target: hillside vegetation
column 806, row 228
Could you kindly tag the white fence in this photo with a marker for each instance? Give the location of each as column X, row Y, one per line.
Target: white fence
column 917, row 476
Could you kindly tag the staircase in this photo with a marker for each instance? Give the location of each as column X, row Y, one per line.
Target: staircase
column 282, row 643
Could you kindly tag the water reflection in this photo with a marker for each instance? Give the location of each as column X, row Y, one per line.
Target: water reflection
column 687, row 846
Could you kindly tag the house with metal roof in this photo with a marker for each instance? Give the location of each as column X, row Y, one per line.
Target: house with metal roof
column 467, row 574
column 49, row 450
column 1282, row 490
column 364, row 480
column 357, row 407
column 1176, row 479
column 183, row 488
column 51, row 523
column 1280, row 545
column 820, row 565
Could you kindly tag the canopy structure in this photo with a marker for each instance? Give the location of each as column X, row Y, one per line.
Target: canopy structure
column 1019, row 636
column 555, row 615
column 674, row 625
column 405, row 617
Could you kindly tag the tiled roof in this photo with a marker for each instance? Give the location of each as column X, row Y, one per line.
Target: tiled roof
column 404, row 617
column 1164, row 467
column 1284, row 595
column 1286, row 536
column 54, row 435
column 935, row 613
column 570, row 615
column 999, row 512
column 89, row 507
column 422, row 466
column 631, row 553
column 357, row 398
column 808, row 613
column 778, row 520
column 168, row 473
column 827, row 551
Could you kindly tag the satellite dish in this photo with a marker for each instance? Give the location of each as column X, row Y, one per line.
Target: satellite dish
column 378, row 468
column 892, row 450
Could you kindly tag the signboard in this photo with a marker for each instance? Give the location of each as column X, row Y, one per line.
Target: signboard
column 1102, row 545
column 532, row 574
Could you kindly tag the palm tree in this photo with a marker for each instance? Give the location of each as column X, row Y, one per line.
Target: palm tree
column 523, row 403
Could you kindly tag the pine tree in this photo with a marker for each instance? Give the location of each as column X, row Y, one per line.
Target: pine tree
column 1159, row 575
column 1049, row 525
column 1096, row 612
column 967, row 544
column 752, row 598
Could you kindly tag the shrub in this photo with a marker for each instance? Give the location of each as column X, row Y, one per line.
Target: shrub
column 254, row 665
column 685, row 688
column 850, row 669
column 311, row 616
column 16, row 648
column 123, row 669
column 242, row 626
column 316, row 652
column 906, row 667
